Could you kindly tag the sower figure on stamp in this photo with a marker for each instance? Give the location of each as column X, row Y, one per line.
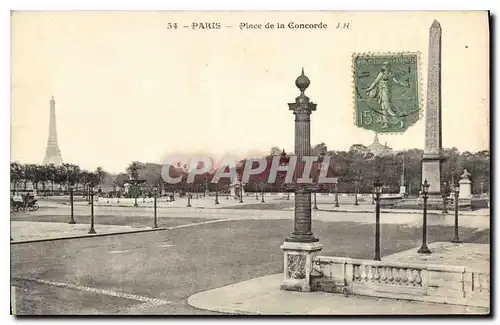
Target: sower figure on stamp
column 381, row 88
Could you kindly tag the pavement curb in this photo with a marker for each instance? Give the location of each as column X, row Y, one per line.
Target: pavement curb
column 89, row 235
column 192, row 301
column 403, row 212
column 122, row 232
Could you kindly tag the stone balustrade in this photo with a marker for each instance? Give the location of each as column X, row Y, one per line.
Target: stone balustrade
column 410, row 277
column 421, row 282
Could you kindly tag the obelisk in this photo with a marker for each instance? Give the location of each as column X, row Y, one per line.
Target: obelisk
column 431, row 160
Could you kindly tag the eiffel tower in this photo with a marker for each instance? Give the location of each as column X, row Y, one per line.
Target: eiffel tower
column 52, row 153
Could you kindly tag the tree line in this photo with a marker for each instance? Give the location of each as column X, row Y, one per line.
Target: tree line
column 355, row 167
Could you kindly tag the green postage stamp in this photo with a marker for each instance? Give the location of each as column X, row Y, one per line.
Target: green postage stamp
column 387, row 91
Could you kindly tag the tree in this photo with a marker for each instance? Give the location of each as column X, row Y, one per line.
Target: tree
column 100, row 174
column 150, row 172
column 61, row 176
column 30, row 174
column 74, row 172
column 50, row 172
column 16, row 174
column 120, row 178
column 39, row 176
column 275, row 151
column 133, row 169
column 318, row 149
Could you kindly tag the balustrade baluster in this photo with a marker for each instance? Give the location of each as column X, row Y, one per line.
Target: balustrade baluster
column 389, row 274
column 395, row 275
column 409, row 276
column 370, row 274
column 402, row 276
column 363, row 272
column 418, row 278
column 357, row 275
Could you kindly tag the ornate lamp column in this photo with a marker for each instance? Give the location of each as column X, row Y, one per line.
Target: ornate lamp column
column 445, row 197
column 155, row 191
column 241, row 192
column 337, row 195
column 377, row 190
column 189, row 197
column 456, row 191
column 91, row 198
column 356, row 189
column 72, row 220
column 425, row 195
column 301, row 245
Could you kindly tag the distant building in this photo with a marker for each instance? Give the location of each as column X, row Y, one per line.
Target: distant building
column 52, row 152
column 377, row 149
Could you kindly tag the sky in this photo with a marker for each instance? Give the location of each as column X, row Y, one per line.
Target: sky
column 128, row 88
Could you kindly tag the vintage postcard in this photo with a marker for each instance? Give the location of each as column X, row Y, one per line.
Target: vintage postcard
column 250, row 163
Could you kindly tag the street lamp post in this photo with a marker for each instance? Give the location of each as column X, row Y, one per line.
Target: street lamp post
column 336, row 196
column 256, row 191
column 72, row 221
column 262, row 192
column 425, row 195
column 136, row 186
column 377, row 190
column 356, row 185
column 189, row 198
column 155, row 190
column 445, row 198
column 241, row 192
column 320, row 162
column 216, row 193
column 456, row 191
column 92, row 230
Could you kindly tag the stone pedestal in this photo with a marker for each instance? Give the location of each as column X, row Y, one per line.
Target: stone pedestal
column 402, row 190
column 465, row 189
column 431, row 171
column 465, row 194
column 298, row 265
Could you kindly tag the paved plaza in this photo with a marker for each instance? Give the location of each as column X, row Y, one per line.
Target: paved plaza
column 112, row 218
column 195, row 250
column 262, row 296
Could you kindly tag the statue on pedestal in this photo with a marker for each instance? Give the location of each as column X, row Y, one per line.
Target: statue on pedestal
column 465, row 175
column 465, row 186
